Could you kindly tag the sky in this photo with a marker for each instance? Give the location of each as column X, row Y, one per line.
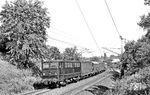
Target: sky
column 68, row 28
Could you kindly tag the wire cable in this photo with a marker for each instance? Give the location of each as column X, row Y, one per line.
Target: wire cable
column 66, row 42
column 62, row 32
column 113, row 19
column 84, row 49
column 88, row 27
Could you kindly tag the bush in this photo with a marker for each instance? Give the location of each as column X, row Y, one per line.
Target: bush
column 13, row 80
column 136, row 84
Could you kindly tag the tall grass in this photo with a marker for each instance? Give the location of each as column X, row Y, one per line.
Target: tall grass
column 13, row 80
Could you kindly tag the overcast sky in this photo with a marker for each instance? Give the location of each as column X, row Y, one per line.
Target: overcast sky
column 68, row 25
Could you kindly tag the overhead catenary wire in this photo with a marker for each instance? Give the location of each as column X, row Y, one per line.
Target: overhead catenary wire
column 65, row 36
column 90, row 30
column 72, row 44
column 69, row 43
column 69, row 36
column 113, row 19
column 62, row 32
column 63, row 41
column 115, row 26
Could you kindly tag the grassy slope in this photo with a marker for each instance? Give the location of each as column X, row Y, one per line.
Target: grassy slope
column 13, row 81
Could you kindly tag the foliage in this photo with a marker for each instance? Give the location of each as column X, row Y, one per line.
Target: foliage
column 136, row 62
column 71, row 54
column 147, row 2
column 23, row 31
column 13, row 80
column 136, row 55
column 54, row 53
column 128, row 57
column 136, row 84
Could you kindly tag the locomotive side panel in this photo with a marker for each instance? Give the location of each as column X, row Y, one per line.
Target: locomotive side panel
column 61, row 70
column 50, row 69
column 77, row 67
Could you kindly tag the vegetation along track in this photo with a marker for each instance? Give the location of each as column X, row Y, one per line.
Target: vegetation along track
column 75, row 88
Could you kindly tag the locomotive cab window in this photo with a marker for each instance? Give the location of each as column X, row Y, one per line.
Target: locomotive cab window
column 53, row 65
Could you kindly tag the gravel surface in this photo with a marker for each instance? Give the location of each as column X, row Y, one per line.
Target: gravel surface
column 108, row 82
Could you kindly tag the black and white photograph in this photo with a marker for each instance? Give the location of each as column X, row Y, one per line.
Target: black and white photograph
column 74, row 47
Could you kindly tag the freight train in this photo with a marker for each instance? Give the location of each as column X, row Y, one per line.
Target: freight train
column 66, row 72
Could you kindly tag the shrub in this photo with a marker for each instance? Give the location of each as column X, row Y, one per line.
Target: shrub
column 136, row 84
column 13, row 80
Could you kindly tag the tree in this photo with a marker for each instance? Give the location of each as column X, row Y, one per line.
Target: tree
column 23, row 31
column 71, row 54
column 136, row 55
column 54, row 53
column 147, row 2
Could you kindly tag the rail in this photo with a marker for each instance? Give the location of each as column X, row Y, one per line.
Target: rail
column 72, row 89
column 81, row 88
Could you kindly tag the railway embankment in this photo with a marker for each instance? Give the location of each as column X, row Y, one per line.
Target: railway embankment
column 14, row 81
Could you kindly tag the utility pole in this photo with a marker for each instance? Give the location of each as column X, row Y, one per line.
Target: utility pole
column 121, row 44
column 123, row 41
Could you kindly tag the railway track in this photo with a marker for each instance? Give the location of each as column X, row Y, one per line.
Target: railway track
column 81, row 88
column 72, row 89
column 75, row 88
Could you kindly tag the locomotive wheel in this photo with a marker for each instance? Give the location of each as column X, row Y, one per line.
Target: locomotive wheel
column 74, row 80
column 62, row 83
column 58, row 85
column 52, row 85
column 68, row 81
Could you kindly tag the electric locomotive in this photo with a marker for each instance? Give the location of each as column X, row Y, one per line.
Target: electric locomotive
column 66, row 71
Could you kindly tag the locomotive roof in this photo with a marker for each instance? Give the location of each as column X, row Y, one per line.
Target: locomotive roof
column 71, row 61
column 61, row 61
